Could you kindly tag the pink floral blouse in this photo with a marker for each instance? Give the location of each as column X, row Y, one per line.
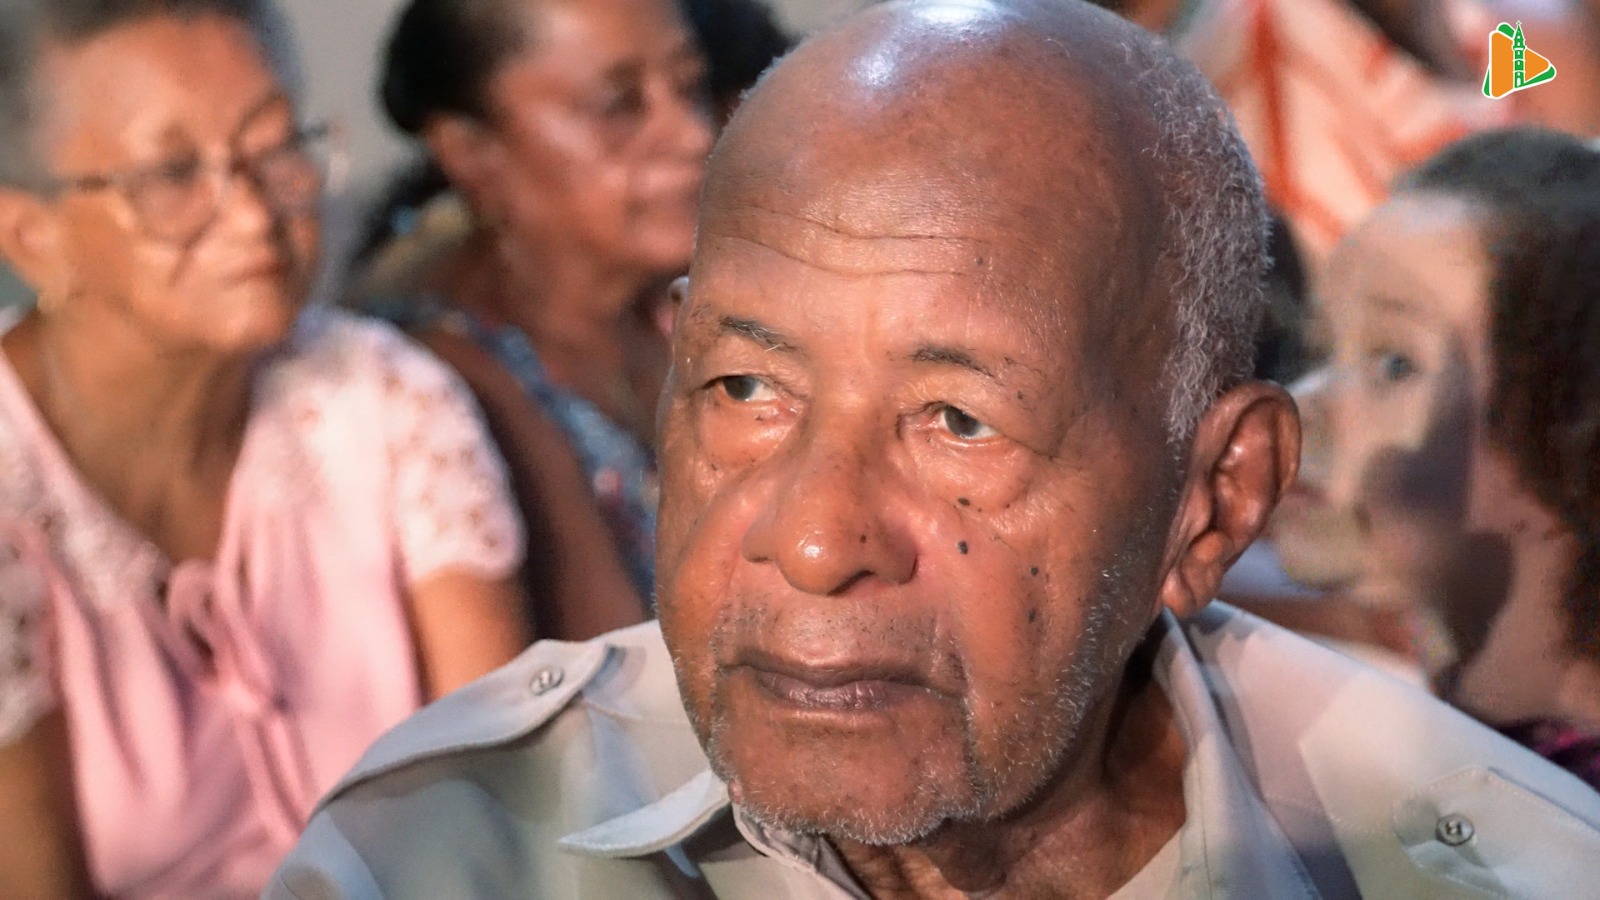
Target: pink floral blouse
column 210, row 702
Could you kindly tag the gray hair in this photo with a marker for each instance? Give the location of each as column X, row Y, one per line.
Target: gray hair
column 27, row 27
column 1215, row 254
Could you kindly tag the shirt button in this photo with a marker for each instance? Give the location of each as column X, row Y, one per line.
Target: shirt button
column 1455, row 830
column 547, row 678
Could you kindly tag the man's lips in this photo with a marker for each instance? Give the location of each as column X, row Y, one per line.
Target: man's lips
column 855, row 686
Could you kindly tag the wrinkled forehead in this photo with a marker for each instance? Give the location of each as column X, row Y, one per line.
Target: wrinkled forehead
column 944, row 137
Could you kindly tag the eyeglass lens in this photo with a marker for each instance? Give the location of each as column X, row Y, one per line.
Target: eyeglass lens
column 178, row 201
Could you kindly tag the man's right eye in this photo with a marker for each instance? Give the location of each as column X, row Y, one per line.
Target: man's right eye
column 745, row 388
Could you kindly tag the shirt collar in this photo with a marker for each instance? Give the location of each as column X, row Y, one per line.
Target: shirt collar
column 1229, row 843
column 654, row 827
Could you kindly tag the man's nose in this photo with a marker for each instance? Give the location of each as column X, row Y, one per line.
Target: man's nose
column 827, row 523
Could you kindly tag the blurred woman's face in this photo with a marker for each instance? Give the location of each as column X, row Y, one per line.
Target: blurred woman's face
column 1403, row 457
column 142, row 123
column 603, row 131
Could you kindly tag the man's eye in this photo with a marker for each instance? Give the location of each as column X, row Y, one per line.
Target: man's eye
column 963, row 426
column 745, row 388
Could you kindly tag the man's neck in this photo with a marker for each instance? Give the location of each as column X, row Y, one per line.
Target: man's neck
column 1098, row 824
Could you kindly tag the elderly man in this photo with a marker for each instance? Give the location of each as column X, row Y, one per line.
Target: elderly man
column 956, row 449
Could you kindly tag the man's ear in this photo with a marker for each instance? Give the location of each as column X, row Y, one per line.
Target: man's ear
column 464, row 152
column 1244, row 456
column 677, row 295
column 30, row 240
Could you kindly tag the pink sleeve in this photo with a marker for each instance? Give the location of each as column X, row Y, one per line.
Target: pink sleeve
column 27, row 688
column 452, row 499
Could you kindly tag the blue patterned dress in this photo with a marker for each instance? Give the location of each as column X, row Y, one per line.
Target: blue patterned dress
column 621, row 471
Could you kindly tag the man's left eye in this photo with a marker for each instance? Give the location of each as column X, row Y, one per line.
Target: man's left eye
column 964, row 426
column 746, row 388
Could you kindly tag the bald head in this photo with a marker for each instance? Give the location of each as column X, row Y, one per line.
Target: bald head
column 966, row 276
column 1106, row 166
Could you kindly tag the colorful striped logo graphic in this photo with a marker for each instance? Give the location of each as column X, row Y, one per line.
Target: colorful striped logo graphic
column 1512, row 66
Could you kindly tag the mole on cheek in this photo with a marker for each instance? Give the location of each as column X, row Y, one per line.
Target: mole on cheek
column 1034, row 571
column 963, row 501
column 962, row 546
column 1033, row 614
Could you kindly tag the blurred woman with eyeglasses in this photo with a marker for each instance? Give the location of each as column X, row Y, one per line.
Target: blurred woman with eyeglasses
column 238, row 538
column 574, row 135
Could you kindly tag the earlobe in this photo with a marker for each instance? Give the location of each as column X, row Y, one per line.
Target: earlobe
column 1244, row 456
column 30, row 241
column 457, row 145
column 677, row 294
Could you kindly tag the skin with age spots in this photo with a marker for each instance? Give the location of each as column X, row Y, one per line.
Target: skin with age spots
column 853, row 349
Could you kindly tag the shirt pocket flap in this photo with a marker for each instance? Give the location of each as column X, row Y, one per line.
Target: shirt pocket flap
column 1484, row 832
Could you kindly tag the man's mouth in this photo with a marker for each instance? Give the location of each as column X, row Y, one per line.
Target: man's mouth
column 853, row 696
column 849, row 687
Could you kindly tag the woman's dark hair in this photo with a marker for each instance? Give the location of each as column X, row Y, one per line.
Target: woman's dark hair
column 1540, row 195
column 740, row 39
column 1283, row 349
column 398, row 206
column 28, row 26
column 441, row 55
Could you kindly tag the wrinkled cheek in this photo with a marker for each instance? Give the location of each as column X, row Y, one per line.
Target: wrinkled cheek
column 698, row 555
column 994, row 490
column 1018, row 683
column 689, row 614
column 1013, row 638
column 695, row 565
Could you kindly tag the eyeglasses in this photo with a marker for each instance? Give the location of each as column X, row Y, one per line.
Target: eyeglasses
column 177, row 200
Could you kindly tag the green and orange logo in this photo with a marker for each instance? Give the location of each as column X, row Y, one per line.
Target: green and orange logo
column 1512, row 66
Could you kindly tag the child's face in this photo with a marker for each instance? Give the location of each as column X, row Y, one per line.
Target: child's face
column 1403, row 454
